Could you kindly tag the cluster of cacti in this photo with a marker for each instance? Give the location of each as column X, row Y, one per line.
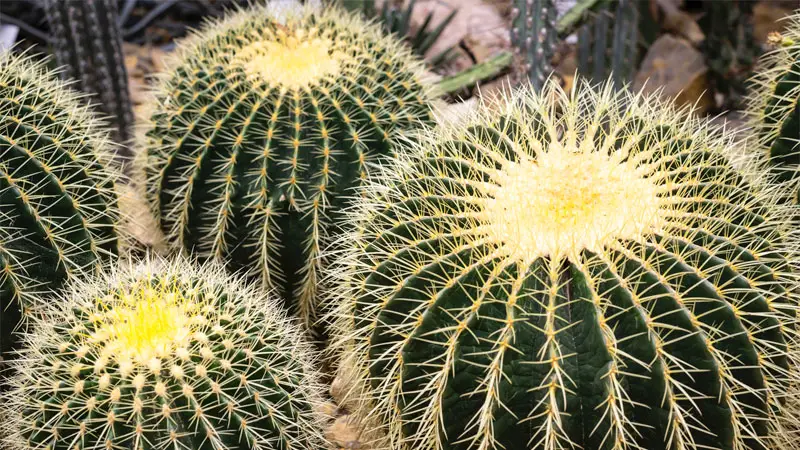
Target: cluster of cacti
column 576, row 270
column 164, row 355
column 774, row 104
column 608, row 45
column 262, row 126
column 58, row 203
column 586, row 269
column 87, row 43
column 730, row 49
column 534, row 35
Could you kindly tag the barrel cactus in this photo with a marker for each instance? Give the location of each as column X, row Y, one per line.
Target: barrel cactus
column 58, row 203
column 263, row 124
column 164, row 355
column 773, row 102
column 583, row 269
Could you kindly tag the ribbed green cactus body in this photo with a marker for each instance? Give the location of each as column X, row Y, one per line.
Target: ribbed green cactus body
column 249, row 167
column 165, row 355
column 588, row 275
column 782, row 119
column 773, row 104
column 58, row 206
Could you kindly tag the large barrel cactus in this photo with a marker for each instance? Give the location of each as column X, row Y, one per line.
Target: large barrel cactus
column 164, row 355
column 577, row 270
column 773, row 104
column 58, row 203
column 261, row 127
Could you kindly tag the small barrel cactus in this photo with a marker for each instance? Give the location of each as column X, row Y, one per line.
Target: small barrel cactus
column 261, row 127
column 164, row 355
column 58, row 202
column 773, row 104
column 577, row 270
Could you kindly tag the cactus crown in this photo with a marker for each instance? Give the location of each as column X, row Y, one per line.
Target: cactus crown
column 583, row 269
column 262, row 126
column 164, row 353
column 58, row 199
column 565, row 201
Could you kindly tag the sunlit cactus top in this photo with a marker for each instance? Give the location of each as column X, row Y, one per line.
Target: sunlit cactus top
column 164, row 355
column 262, row 125
column 58, row 201
column 577, row 269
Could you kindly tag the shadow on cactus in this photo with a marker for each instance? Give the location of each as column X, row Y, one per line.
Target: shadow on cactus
column 58, row 202
column 164, row 354
column 262, row 126
column 773, row 103
column 577, row 270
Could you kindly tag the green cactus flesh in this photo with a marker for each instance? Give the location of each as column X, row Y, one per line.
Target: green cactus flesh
column 578, row 270
column 164, row 355
column 57, row 199
column 263, row 127
column 774, row 104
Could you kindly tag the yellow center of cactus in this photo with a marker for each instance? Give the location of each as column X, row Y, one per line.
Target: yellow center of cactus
column 145, row 325
column 564, row 202
column 292, row 61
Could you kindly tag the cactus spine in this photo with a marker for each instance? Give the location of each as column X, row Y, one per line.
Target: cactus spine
column 773, row 103
column 578, row 270
column 534, row 35
column 88, row 44
column 164, row 355
column 58, row 203
column 261, row 128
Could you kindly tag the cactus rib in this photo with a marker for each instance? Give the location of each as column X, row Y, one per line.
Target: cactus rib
column 58, row 201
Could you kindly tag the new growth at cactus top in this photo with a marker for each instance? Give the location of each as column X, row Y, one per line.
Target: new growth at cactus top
column 261, row 128
column 579, row 269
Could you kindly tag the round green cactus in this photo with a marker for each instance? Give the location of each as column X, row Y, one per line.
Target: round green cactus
column 577, row 270
column 263, row 125
column 164, row 355
column 58, row 203
column 773, row 104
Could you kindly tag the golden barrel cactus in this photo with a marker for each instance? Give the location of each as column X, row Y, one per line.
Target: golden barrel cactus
column 263, row 125
column 577, row 269
column 164, row 354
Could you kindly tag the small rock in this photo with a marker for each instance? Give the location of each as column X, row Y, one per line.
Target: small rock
column 678, row 71
column 680, row 22
column 345, row 434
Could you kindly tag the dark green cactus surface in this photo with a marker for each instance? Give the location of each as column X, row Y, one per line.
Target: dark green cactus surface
column 261, row 129
column 730, row 49
column 578, row 270
column 164, row 355
column 534, row 36
column 58, row 204
column 774, row 104
column 608, row 44
column 88, row 45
